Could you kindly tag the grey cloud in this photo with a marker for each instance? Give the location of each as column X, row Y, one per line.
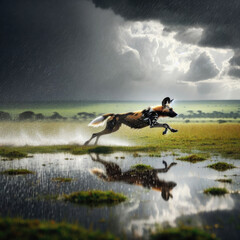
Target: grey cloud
column 58, row 49
column 235, row 60
column 201, row 68
column 233, row 68
column 234, row 72
column 66, row 50
column 190, row 36
column 219, row 19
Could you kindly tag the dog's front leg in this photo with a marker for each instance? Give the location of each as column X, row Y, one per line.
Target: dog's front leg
column 163, row 125
column 163, row 170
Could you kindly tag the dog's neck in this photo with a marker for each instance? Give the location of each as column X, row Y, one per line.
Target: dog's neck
column 157, row 108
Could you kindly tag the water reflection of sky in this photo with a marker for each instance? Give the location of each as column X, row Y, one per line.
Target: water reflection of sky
column 144, row 208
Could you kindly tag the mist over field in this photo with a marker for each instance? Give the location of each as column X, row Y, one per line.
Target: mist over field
column 50, row 133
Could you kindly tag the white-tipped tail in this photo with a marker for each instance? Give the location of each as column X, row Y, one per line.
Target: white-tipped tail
column 99, row 173
column 97, row 122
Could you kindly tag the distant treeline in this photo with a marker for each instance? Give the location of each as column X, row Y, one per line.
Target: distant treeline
column 29, row 115
column 82, row 116
column 214, row 114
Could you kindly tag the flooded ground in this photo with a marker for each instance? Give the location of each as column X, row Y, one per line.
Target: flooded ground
column 166, row 197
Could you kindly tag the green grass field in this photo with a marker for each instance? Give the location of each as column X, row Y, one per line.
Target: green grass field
column 207, row 137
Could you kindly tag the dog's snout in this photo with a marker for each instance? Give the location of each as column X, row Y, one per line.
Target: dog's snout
column 173, row 114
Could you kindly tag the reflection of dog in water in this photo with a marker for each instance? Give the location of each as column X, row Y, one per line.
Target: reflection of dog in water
column 146, row 178
column 137, row 120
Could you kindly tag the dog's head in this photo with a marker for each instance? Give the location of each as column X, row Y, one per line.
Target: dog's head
column 167, row 109
column 165, row 188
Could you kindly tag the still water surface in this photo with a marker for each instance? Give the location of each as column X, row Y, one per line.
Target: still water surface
column 159, row 197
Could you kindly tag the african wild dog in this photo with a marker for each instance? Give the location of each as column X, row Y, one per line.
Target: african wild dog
column 137, row 120
column 145, row 178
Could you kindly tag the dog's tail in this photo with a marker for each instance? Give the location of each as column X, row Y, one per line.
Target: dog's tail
column 99, row 173
column 99, row 121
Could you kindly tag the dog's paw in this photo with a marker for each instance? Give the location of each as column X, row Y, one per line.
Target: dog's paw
column 164, row 132
column 174, row 130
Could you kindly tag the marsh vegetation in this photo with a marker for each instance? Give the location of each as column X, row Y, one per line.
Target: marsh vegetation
column 17, row 172
column 141, row 167
column 192, row 158
column 10, row 155
column 183, row 233
column 221, row 166
column 17, row 228
column 215, row 191
column 224, row 180
column 95, row 197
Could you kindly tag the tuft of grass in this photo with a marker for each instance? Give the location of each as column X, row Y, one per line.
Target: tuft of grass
column 61, row 179
column 16, row 228
column 95, row 197
column 135, row 155
column 224, row 180
column 154, row 155
column 101, row 149
column 183, row 233
column 216, row 191
column 221, row 166
column 141, row 167
column 192, row 158
column 17, row 172
column 12, row 154
column 175, row 154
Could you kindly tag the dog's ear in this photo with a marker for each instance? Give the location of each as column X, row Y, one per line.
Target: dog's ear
column 165, row 101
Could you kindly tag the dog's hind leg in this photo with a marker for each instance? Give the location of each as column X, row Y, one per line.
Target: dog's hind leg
column 107, row 130
column 112, row 126
column 97, row 136
column 93, row 136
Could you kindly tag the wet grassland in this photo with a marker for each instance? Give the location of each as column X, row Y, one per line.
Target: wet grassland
column 125, row 190
column 212, row 138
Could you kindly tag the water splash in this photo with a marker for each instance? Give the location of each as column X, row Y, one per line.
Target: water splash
column 42, row 133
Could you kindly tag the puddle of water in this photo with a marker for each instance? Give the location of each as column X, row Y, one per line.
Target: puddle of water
column 155, row 197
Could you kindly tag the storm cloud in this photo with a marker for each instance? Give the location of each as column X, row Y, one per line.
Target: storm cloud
column 219, row 19
column 201, row 68
column 121, row 50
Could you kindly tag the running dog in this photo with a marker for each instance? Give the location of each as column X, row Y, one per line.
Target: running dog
column 137, row 120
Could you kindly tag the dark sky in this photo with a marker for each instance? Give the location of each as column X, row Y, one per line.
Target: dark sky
column 119, row 50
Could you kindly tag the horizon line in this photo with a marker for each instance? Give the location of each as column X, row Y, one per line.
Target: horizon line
column 85, row 100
